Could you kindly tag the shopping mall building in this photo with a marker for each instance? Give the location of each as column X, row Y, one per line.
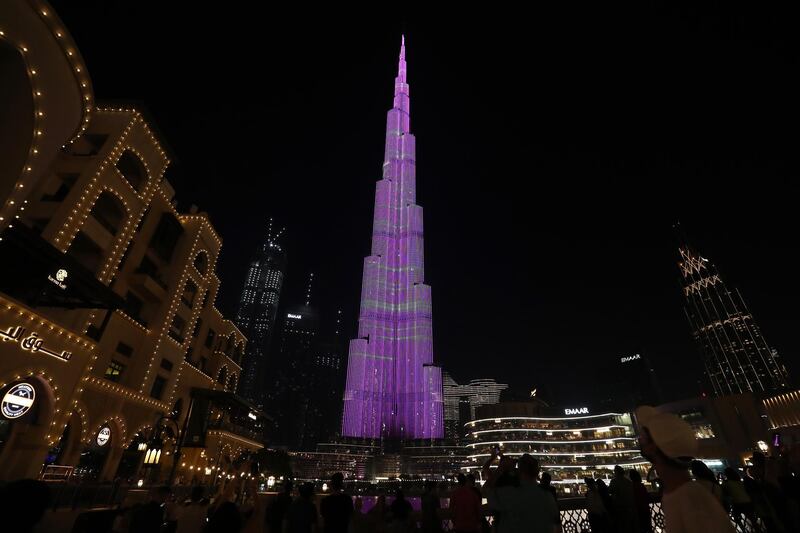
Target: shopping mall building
column 110, row 344
column 571, row 447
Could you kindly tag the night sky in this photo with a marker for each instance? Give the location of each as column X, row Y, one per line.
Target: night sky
column 554, row 152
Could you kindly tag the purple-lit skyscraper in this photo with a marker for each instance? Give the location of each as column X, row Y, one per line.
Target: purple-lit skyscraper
column 393, row 388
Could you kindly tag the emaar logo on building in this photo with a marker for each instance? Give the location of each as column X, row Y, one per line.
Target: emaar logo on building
column 292, row 315
column 633, row 357
column 577, row 411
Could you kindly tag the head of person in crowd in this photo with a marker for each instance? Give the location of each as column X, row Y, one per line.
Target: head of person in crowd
column 619, row 472
column 590, row 484
column 288, row 486
column 197, row 493
column 665, row 440
column 546, row 479
column 528, row 467
column 23, row 503
column 635, row 476
column 700, row 470
column 306, row 491
column 337, row 482
column 430, row 486
column 226, row 519
column 732, row 475
column 358, row 504
column 470, row 480
column 461, row 479
column 161, row 494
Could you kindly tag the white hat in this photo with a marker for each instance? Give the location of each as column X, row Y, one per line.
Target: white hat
column 673, row 436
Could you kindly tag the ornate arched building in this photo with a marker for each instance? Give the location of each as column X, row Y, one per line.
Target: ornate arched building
column 107, row 312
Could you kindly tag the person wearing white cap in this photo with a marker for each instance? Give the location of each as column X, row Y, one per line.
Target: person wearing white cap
column 668, row 442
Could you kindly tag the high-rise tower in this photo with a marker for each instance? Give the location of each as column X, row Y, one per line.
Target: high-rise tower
column 736, row 356
column 258, row 308
column 393, row 388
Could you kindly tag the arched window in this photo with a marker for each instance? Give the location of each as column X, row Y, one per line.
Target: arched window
column 201, row 262
column 223, row 375
column 132, row 169
column 109, row 211
column 232, row 383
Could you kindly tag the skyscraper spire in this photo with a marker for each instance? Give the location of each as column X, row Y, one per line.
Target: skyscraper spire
column 736, row 356
column 393, row 388
column 308, row 289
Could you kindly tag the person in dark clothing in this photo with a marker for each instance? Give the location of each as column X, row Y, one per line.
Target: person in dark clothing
column 642, row 503
column 336, row 509
column 149, row 517
column 431, row 521
column 400, row 508
column 22, row 504
column 302, row 514
column 277, row 510
column 226, row 519
column 545, row 482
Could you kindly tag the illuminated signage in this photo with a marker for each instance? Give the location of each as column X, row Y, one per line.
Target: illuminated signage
column 18, row 400
column 290, row 315
column 633, row 357
column 577, row 411
column 251, row 416
column 103, row 436
column 58, row 281
column 31, row 343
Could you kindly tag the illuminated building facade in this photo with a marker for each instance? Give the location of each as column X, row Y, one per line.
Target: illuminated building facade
column 258, row 309
column 393, row 388
column 107, row 312
column 737, row 358
column 460, row 401
column 570, row 447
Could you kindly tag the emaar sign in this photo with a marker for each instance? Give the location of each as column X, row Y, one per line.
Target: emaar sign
column 633, row 357
column 577, row 411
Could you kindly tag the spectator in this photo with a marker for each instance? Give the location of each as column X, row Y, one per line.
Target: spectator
column 192, row 516
column 624, row 503
column 431, row 521
column 337, row 508
column 736, row 499
column 149, row 517
column 302, row 514
column 23, row 504
column 376, row 517
column 524, row 508
column 705, row 477
column 465, row 507
column 277, row 510
column 596, row 509
column 545, row 482
column 359, row 522
column 401, row 512
column 641, row 503
column 668, row 442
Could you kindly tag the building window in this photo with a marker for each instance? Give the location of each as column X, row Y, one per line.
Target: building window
column 133, row 308
column 166, row 364
column 124, row 349
column 189, row 293
column 165, row 238
column 158, row 387
column 177, row 327
column 114, row 371
column 210, row 338
column 132, row 169
column 202, row 364
column 109, row 212
column 201, row 263
column 205, row 299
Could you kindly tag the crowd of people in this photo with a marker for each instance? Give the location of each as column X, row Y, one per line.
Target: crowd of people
column 763, row 498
